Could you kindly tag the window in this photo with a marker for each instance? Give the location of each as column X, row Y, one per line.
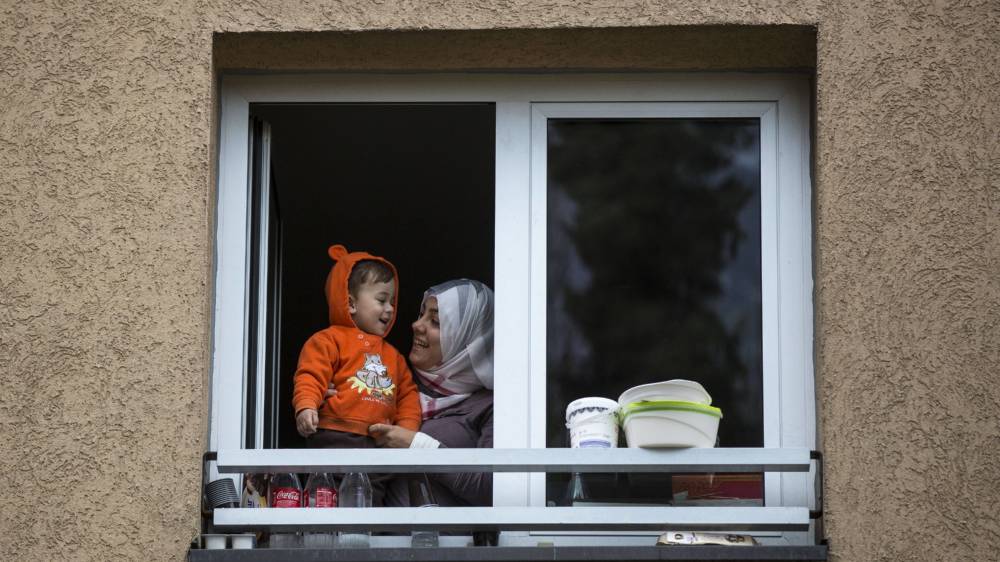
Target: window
column 716, row 165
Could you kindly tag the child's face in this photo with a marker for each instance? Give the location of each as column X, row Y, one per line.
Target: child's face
column 426, row 350
column 371, row 309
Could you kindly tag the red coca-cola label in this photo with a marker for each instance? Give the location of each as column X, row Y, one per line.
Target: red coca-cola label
column 325, row 497
column 287, row 497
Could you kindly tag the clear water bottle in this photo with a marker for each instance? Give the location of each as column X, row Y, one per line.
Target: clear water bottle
column 320, row 492
column 578, row 493
column 355, row 491
column 421, row 496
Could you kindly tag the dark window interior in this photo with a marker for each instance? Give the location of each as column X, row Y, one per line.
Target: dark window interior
column 413, row 183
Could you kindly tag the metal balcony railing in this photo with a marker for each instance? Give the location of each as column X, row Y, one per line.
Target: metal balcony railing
column 732, row 460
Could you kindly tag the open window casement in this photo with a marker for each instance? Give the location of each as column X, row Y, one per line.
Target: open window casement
column 641, row 227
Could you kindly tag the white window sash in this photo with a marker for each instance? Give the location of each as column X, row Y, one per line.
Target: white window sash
column 541, row 113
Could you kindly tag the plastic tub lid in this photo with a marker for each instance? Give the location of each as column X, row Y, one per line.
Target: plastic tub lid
column 668, row 405
column 676, row 389
column 590, row 404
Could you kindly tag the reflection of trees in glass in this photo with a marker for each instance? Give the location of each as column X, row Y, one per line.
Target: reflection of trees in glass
column 647, row 221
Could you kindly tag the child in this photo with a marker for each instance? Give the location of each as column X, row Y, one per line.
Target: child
column 372, row 379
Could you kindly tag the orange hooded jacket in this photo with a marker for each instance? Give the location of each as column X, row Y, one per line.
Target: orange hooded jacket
column 373, row 382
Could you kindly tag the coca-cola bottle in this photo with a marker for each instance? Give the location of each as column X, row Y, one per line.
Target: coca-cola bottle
column 285, row 491
column 320, row 492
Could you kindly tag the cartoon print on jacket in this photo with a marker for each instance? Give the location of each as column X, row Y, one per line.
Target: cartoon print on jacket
column 373, row 378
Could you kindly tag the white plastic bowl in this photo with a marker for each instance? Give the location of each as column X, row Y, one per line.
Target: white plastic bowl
column 670, row 424
column 677, row 389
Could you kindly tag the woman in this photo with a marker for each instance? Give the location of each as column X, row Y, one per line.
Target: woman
column 452, row 362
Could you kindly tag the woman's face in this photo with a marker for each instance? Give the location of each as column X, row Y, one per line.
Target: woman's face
column 426, row 350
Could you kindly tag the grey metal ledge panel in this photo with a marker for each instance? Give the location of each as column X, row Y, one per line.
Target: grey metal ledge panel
column 515, row 518
column 515, row 460
column 520, row 554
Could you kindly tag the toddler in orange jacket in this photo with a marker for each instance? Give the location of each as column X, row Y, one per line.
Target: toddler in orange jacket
column 373, row 382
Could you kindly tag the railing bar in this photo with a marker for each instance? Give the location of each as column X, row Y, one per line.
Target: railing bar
column 514, row 460
column 518, row 518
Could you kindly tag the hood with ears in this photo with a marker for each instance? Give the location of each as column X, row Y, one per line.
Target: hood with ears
column 336, row 285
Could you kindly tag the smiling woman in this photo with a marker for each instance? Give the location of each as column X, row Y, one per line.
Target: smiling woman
column 452, row 359
column 458, row 357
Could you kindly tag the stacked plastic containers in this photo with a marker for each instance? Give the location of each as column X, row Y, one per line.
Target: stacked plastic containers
column 674, row 413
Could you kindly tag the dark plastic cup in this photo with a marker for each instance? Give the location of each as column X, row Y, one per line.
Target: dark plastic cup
column 222, row 493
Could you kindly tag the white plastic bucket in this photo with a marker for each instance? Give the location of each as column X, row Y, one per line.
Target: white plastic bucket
column 592, row 423
column 670, row 424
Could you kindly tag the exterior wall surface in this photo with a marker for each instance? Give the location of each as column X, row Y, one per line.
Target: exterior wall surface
column 107, row 154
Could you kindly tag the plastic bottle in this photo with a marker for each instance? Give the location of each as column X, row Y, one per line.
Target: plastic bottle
column 320, row 492
column 285, row 490
column 577, row 492
column 421, row 496
column 355, row 491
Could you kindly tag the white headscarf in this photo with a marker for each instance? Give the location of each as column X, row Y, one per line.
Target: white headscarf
column 465, row 314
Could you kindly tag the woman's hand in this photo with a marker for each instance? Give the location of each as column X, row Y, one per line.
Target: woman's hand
column 391, row 436
column 331, row 391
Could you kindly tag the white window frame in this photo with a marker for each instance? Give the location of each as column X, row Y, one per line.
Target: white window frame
column 523, row 104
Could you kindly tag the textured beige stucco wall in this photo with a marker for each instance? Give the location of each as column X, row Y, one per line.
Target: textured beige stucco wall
column 106, row 218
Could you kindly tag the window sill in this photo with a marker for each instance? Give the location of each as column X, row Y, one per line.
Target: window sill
column 518, row 554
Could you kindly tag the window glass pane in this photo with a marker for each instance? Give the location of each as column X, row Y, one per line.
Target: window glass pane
column 654, row 271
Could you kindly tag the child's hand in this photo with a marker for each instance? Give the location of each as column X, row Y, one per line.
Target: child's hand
column 331, row 391
column 306, row 422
